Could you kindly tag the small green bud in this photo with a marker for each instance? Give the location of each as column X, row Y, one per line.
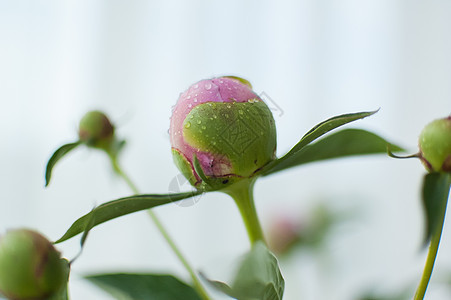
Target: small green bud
column 30, row 267
column 227, row 127
column 435, row 145
column 96, row 130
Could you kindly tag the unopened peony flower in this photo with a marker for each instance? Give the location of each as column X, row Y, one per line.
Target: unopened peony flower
column 227, row 127
column 96, row 130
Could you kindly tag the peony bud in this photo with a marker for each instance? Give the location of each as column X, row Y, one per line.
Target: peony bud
column 227, row 127
column 96, row 130
column 435, row 145
column 30, row 267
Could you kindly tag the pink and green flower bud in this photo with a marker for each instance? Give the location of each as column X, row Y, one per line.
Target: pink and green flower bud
column 96, row 130
column 435, row 145
column 30, row 267
column 227, row 127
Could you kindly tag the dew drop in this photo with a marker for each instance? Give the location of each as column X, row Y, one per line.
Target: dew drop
column 190, row 105
column 228, row 106
column 196, row 86
column 188, row 124
column 199, row 121
column 189, row 97
column 195, row 99
column 215, row 116
column 208, row 86
column 204, row 127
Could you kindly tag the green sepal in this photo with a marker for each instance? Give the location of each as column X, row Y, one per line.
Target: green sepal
column 57, row 155
column 184, row 166
column 63, row 293
column 240, row 135
column 121, row 207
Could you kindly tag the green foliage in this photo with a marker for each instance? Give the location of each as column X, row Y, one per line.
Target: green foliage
column 124, row 286
column 120, row 207
column 258, row 278
column 314, row 133
column 348, row 142
column 57, row 155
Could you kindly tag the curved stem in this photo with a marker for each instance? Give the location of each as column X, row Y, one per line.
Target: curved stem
column 243, row 194
column 196, row 281
column 430, row 261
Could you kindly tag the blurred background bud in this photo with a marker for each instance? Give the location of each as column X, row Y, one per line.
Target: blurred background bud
column 30, row 267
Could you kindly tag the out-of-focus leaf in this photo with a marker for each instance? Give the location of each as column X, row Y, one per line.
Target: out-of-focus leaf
column 258, row 277
column 344, row 143
column 57, row 155
column 124, row 286
column 120, row 207
column 314, row 133
column 436, row 188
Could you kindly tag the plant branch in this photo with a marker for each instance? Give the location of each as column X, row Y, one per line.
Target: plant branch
column 243, row 194
column 196, row 281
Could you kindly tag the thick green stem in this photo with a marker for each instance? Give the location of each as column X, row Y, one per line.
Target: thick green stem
column 430, row 261
column 196, row 281
column 243, row 194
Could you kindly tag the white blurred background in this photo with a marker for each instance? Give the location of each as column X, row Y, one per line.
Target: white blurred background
column 315, row 59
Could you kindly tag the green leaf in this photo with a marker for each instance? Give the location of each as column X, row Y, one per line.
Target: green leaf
column 57, row 155
column 344, row 143
column 314, row 133
column 258, row 277
column 121, row 207
column 124, row 286
column 436, row 188
column 90, row 223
